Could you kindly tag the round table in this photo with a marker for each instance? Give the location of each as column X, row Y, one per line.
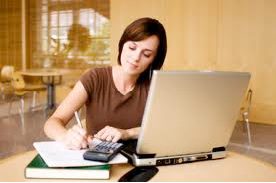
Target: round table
column 235, row 167
column 49, row 77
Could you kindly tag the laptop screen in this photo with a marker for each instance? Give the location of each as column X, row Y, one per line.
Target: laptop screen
column 190, row 111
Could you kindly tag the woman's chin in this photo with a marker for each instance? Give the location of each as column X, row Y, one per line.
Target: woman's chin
column 132, row 71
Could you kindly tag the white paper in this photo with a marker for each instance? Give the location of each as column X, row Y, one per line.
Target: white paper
column 56, row 155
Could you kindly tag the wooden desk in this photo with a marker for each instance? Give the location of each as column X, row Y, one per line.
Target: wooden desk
column 235, row 167
column 49, row 77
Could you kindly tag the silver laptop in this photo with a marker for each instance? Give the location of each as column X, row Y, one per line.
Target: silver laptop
column 189, row 116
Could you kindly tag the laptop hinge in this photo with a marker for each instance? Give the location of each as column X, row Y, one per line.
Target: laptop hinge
column 145, row 156
column 217, row 149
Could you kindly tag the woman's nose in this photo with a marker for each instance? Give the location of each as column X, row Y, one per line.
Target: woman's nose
column 136, row 55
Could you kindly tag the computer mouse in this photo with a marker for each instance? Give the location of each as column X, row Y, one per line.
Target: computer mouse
column 139, row 174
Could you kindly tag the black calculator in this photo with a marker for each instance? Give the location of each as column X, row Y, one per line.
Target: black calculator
column 102, row 150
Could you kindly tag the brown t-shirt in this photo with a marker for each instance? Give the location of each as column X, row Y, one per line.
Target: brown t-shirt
column 107, row 106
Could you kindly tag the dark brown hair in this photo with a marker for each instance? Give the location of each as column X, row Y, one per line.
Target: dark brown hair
column 139, row 30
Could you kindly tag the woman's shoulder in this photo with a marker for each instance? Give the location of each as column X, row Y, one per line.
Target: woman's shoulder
column 95, row 78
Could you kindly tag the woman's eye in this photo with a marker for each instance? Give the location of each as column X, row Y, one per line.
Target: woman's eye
column 147, row 55
column 132, row 47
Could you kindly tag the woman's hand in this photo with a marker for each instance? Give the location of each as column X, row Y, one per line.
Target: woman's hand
column 109, row 133
column 75, row 138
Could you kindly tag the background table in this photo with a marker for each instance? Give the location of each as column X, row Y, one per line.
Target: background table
column 234, row 167
column 49, row 77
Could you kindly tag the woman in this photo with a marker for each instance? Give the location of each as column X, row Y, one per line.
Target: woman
column 115, row 96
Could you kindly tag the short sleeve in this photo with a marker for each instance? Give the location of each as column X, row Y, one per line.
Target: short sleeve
column 89, row 81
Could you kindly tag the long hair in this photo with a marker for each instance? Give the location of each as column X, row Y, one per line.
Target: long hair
column 139, row 30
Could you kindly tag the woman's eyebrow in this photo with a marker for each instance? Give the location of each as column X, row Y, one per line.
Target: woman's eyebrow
column 146, row 49
column 132, row 42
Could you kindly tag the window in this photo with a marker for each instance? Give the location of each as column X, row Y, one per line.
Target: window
column 69, row 33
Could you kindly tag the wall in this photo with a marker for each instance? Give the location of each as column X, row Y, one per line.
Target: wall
column 10, row 33
column 236, row 35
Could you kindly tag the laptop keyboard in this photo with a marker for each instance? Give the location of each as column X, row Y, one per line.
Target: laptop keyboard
column 130, row 146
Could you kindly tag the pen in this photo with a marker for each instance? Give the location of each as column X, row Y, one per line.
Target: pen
column 78, row 119
column 79, row 122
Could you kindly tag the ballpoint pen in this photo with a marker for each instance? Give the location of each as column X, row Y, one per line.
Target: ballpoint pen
column 79, row 122
column 78, row 119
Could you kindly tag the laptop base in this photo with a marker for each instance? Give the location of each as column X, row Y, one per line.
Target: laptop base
column 136, row 160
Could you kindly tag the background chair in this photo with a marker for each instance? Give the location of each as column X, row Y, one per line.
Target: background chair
column 6, row 77
column 21, row 89
column 245, row 111
column 6, row 73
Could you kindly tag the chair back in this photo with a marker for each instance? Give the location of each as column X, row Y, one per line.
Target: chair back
column 6, row 73
column 18, row 81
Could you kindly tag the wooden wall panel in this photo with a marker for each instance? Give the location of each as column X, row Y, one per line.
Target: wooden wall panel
column 265, row 102
column 232, row 35
column 246, row 41
column 123, row 12
column 192, row 35
column 10, row 33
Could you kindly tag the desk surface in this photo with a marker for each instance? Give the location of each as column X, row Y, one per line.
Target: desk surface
column 234, row 167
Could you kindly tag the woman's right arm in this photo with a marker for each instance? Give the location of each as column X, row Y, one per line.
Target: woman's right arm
column 55, row 126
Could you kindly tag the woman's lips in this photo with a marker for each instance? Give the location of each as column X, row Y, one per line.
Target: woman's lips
column 133, row 65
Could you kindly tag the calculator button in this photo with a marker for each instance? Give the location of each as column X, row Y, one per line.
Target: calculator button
column 109, row 145
column 118, row 145
column 103, row 151
column 113, row 145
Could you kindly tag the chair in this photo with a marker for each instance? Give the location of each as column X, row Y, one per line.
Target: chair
column 6, row 77
column 14, row 87
column 21, row 88
column 246, row 114
column 6, row 73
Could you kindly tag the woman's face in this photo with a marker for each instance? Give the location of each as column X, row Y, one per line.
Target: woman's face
column 136, row 56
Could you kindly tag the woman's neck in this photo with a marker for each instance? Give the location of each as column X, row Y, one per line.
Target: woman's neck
column 123, row 81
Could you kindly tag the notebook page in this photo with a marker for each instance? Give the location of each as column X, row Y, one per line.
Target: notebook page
column 56, row 155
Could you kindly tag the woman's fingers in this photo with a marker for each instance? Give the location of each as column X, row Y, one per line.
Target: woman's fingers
column 79, row 130
column 101, row 132
column 116, row 138
column 89, row 138
column 109, row 134
column 76, row 138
